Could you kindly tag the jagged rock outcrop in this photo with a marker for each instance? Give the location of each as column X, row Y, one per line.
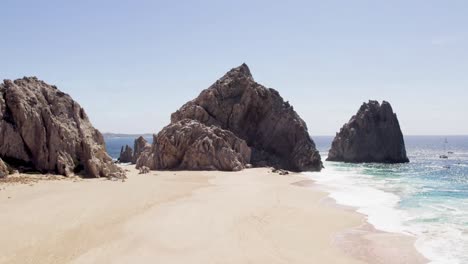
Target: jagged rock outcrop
column 276, row 134
column 372, row 135
column 190, row 145
column 139, row 146
column 43, row 129
column 126, row 154
column 3, row 169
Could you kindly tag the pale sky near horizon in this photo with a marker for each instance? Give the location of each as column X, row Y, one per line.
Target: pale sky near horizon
column 130, row 64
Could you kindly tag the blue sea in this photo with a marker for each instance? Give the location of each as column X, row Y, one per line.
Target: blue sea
column 426, row 198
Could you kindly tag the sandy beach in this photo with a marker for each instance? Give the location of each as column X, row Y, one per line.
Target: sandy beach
column 252, row 216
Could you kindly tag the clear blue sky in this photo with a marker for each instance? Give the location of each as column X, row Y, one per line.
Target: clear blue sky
column 130, row 64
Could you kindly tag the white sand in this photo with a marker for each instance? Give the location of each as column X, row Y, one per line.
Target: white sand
column 251, row 216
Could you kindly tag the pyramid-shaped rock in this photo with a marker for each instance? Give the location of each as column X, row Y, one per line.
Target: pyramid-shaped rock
column 272, row 129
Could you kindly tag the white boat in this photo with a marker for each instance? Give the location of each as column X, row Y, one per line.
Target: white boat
column 444, row 156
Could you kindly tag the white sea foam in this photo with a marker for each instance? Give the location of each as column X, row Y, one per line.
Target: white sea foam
column 376, row 198
column 349, row 187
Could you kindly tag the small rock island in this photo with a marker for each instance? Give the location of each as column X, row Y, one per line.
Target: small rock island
column 372, row 135
column 233, row 124
column 126, row 154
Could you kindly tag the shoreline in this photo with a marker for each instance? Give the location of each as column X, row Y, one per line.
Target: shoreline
column 367, row 243
column 186, row 217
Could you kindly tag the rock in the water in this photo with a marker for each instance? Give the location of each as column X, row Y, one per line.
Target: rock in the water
column 139, row 146
column 259, row 115
column 43, row 129
column 372, row 135
column 126, row 154
column 3, row 169
column 190, row 145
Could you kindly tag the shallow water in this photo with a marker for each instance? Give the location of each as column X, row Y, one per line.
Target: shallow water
column 426, row 198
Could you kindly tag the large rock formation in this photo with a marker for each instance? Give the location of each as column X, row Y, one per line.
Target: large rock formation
column 43, row 129
column 139, row 146
column 126, row 154
column 276, row 134
column 191, row 145
column 372, row 135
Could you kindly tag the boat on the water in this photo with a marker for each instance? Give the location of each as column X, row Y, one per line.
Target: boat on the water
column 445, row 156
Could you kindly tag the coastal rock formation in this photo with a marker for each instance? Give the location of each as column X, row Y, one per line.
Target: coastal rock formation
column 43, row 129
column 126, row 154
column 191, row 145
column 3, row 169
column 139, row 146
column 276, row 134
column 372, row 135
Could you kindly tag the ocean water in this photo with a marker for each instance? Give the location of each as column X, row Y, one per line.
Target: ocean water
column 114, row 144
column 426, row 198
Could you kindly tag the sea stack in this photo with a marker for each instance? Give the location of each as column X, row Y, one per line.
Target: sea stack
column 44, row 129
column 372, row 135
column 126, row 154
column 241, row 110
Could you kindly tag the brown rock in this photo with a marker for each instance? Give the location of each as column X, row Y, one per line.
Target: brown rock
column 43, row 129
column 3, row 169
column 139, row 146
column 259, row 115
column 191, row 145
column 372, row 135
column 126, row 154
column 144, row 170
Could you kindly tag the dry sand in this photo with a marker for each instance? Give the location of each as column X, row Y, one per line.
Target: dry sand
column 252, row 216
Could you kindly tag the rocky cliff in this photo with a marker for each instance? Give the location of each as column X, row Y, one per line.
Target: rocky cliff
column 271, row 128
column 44, row 129
column 372, row 135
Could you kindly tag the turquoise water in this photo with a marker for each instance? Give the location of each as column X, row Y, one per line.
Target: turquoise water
column 426, row 198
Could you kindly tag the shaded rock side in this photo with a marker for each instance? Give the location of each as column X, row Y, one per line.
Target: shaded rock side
column 372, row 135
column 126, row 154
column 191, row 145
column 44, row 129
column 259, row 115
column 139, row 146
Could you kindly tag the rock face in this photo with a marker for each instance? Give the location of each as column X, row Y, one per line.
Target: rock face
column 3, row 169
column 191, row 145
column 43, row 129
column 272, row 129
column 126, row 154
column 139, row 146
column 372, row 135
